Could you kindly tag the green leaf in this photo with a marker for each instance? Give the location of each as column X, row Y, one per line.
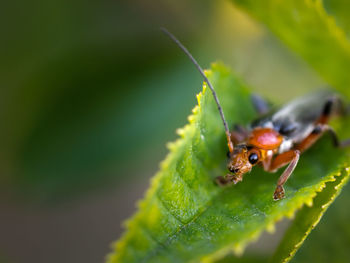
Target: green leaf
column 329, row 242
column 307, row 218
column 340, row 10
column 246, row 259
column 186, row 217
column 305, row 27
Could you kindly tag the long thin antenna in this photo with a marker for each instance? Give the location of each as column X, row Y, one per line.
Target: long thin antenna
column 228, row 136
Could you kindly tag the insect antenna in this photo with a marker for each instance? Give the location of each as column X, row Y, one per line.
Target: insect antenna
column 228, row 135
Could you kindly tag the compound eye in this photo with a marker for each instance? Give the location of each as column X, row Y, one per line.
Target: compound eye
column 253, row 158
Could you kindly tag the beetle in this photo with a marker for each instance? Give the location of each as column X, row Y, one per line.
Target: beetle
column 276, row 138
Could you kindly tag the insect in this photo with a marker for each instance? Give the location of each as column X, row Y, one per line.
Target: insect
column 276, row 138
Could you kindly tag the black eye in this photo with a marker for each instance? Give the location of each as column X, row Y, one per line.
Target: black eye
column 253, row 158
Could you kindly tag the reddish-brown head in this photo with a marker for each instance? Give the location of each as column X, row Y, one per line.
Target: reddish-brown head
column 245, row 156
column 243, row 159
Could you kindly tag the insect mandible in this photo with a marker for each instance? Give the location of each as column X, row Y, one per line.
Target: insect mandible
column 277, row 138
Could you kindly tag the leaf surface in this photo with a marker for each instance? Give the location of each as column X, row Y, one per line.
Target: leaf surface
column 307, row 218
column 306, row 28
column 186, row 217
column 329, row 242
column 339, row 9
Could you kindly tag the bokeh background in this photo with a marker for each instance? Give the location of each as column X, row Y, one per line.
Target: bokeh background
column 90, row 92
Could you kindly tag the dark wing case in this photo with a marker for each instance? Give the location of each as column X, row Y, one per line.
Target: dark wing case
column 296, row 119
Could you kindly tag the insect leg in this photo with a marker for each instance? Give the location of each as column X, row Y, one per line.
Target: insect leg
column 334, row 105
column 259, row 104
column 239, row 134
column 311, row 139
column 336, row 142
column 327, row 109
column 229, row 179
column 241, row 129
column 291, row 157
column 322, row 127
column 319, row 130
column 267, row 162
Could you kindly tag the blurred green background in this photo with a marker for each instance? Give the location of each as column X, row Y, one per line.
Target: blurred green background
column 90, row 94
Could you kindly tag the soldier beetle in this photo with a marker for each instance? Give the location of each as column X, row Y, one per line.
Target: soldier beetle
column 276, row 138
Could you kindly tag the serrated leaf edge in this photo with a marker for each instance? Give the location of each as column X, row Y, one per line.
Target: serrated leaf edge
column 236, row 248
column 324, row 207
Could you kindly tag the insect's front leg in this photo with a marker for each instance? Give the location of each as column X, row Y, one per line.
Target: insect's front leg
column 229, row 179
column 291, row 157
